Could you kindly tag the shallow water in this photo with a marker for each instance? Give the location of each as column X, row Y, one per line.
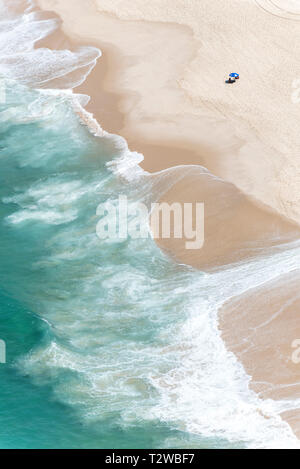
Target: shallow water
column 109, row 343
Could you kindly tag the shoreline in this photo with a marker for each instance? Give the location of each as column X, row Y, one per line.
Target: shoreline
column 221, row 151
column 191, row 140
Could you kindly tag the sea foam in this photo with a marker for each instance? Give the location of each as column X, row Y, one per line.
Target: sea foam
column 39, row 67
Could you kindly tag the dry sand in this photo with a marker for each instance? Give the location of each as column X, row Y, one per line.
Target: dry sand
column 160, row 84
column 167, row 84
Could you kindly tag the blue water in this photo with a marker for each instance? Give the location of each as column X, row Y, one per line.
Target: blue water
column 31, row 416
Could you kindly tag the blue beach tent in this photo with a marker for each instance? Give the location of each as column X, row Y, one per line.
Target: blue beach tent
column 234, row 75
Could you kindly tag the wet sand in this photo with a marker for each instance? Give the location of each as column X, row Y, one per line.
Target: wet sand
column 264, row 323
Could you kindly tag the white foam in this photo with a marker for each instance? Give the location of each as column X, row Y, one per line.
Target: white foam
column 208, row 393
column 51, row 203
column 40, row 67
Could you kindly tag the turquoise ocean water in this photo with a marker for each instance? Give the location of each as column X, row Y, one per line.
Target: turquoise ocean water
column 109, row 342
column 65, row 297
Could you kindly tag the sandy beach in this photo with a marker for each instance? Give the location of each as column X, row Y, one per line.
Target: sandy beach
column 160, row 85
column 186, row 109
